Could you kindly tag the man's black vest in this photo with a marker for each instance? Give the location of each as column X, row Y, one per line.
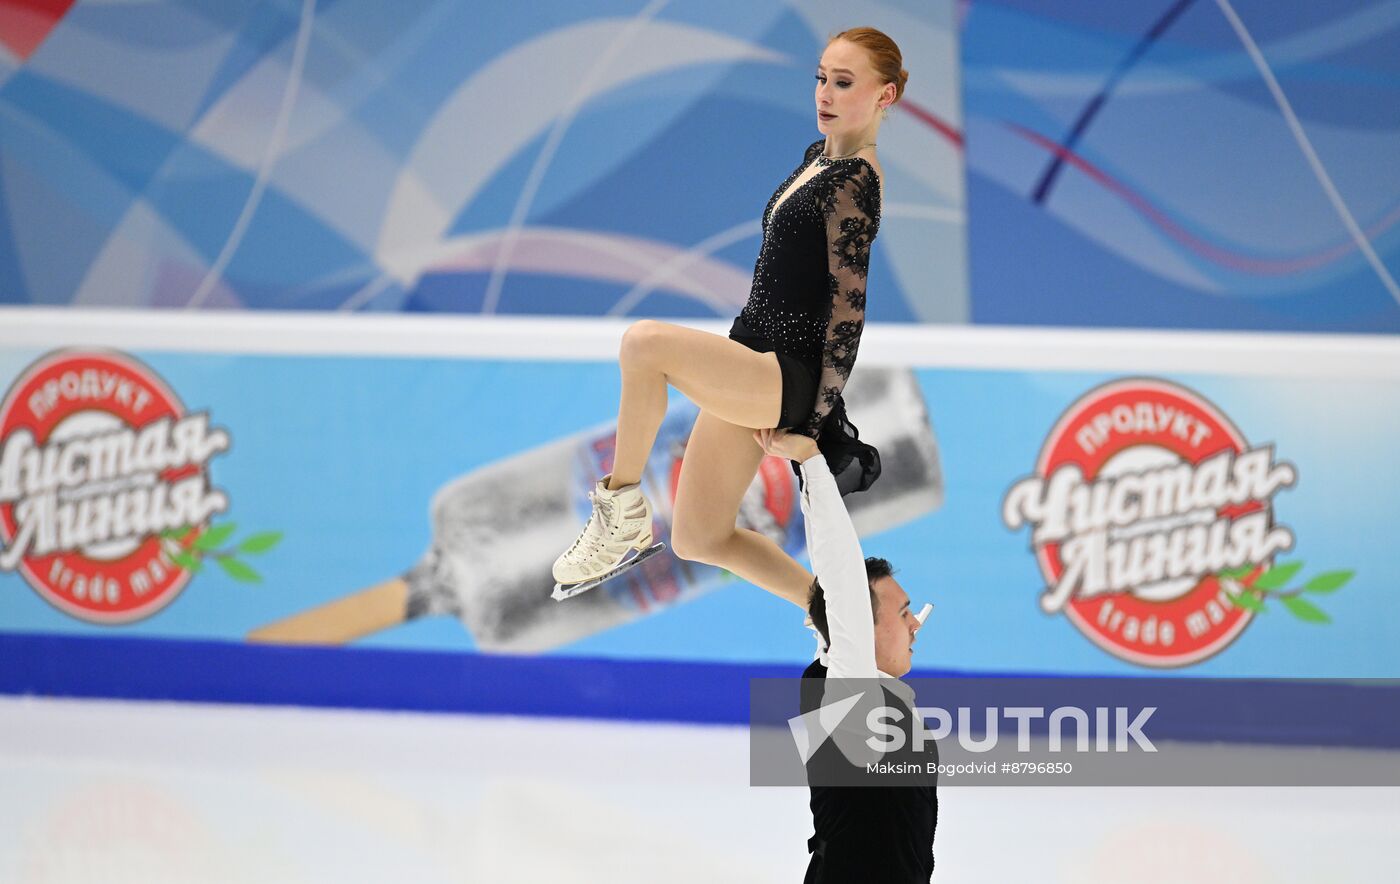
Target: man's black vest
column 875, row 834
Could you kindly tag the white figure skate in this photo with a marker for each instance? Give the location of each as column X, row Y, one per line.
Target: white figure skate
column 617, row 538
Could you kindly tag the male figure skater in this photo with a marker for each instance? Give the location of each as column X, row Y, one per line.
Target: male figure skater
column 867, row 833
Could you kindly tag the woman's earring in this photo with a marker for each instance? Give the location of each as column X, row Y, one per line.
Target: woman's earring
column 885, row 112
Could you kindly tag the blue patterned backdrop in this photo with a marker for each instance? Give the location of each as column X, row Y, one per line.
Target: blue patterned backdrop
column 1184, row 163
column 601, row 158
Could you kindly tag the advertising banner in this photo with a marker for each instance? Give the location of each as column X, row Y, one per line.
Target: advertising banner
column 1095, row 522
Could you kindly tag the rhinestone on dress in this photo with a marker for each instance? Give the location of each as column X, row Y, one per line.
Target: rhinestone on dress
column 808, row 294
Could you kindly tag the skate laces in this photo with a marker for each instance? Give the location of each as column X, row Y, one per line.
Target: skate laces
column 592, row 538
column 604, row 506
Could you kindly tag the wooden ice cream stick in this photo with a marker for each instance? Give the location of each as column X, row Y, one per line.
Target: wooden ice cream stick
column 342, row 620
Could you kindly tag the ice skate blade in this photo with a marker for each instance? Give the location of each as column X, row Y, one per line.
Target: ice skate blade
column 562, row 592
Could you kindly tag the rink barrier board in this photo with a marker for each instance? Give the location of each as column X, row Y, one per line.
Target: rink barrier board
column 1361, row 714
column 1373, row 357
column 651, row 689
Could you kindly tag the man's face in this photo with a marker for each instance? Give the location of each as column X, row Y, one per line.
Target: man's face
column 895, row 628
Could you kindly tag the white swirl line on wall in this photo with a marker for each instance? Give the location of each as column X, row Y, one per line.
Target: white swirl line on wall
column 586, row 87
column 274, row 147
column 578, row 254
column 1301, row 47
column 1305, row 145
column 434, row 184
column 367, row 294
column 670, row 270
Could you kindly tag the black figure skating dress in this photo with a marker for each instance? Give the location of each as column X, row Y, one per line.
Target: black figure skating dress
column 807, row 303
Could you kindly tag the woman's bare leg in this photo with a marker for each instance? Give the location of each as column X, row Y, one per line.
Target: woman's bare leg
column 723, row 377
column 720, row 461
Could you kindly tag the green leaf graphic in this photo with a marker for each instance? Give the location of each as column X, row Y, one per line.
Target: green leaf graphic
column 1236, row 573
column 1277, row 577
column 1247, row 600
column 186, row 561
column 260, row 543
column 215, row 537
column 239, row 571
column 176, row 533
column 1329, row 581
column 1305, row 610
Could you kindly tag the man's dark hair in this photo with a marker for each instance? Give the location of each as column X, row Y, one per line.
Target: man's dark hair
column 875, row 569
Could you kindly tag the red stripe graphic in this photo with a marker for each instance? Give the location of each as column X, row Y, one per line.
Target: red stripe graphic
column 24, row 24
column 926, row 116
column 1209, row 251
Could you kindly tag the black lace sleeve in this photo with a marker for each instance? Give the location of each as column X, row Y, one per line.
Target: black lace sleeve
column 851, row 205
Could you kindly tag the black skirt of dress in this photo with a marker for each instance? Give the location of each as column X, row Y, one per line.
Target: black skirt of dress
column 854, row 464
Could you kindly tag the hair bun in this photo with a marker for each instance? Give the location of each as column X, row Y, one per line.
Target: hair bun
column 885, row 56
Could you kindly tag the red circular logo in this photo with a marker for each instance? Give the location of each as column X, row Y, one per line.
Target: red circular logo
column 99, row 466
column 1144, row 492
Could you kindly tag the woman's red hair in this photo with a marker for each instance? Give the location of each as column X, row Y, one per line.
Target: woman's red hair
column 884, row 55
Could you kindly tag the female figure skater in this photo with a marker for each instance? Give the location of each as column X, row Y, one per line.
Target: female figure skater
column 786, row 359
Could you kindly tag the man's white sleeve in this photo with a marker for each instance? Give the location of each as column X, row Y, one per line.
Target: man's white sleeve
column 839, row 565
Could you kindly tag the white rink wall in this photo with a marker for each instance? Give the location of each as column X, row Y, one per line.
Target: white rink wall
column 147, row 792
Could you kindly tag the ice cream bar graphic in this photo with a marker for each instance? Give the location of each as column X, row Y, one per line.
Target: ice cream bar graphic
column 497, row 530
